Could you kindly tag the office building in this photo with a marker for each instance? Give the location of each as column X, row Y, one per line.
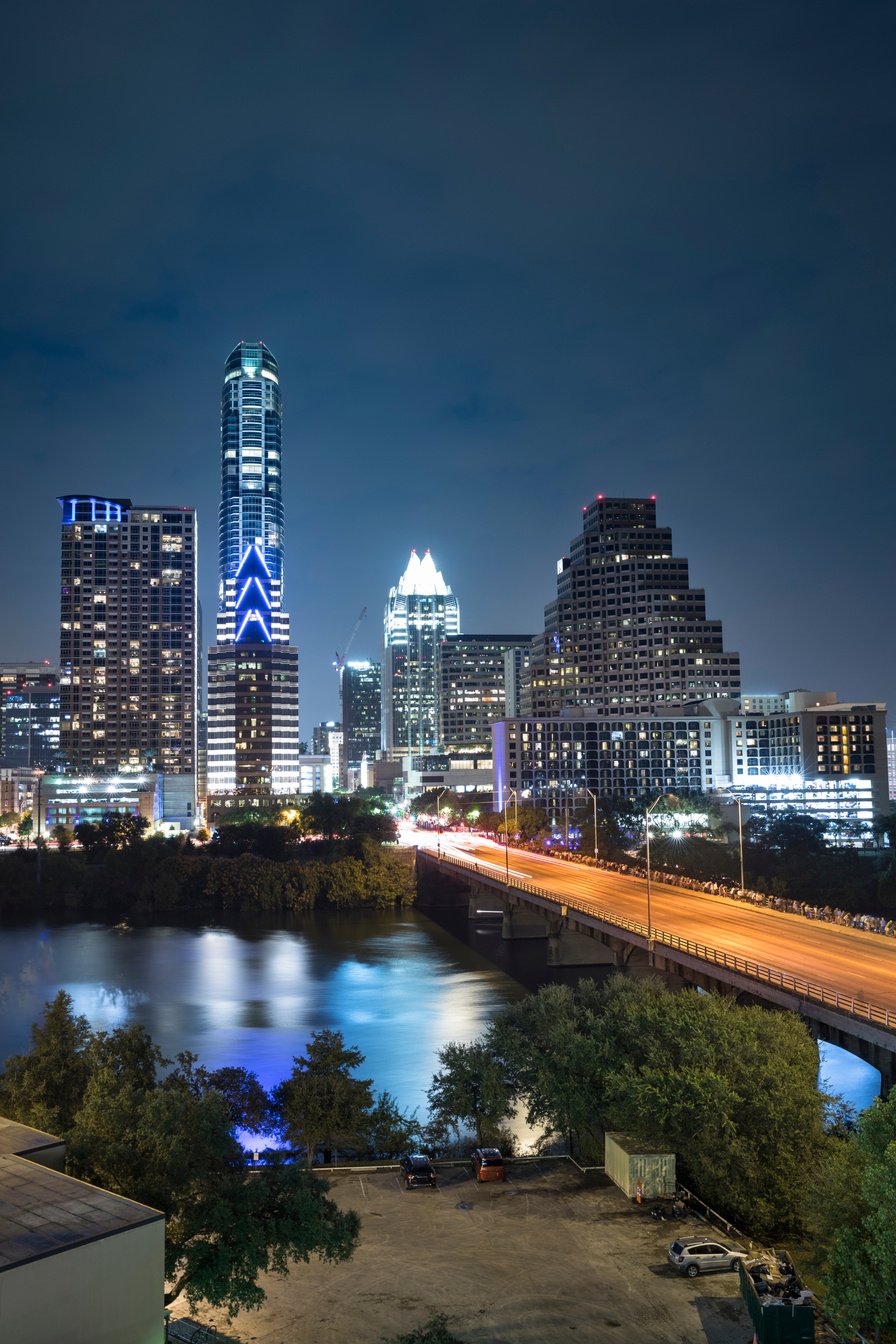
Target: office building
column 361, row 690
column 128, row 639
column 29, row 716
column 420, row 613
column 891, row 762
column 476, row 673
column 826, row 758
column 626, row 634
column 253, row 668
column 326, row 740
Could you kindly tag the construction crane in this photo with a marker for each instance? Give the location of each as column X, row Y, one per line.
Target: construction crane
column 339, row 663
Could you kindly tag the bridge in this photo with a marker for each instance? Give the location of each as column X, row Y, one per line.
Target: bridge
column 589, row 917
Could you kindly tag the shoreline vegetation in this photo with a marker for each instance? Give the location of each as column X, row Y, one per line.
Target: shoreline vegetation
column 336, row 852
column 157, row 877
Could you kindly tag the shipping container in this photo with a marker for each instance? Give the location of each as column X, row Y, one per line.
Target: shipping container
column 628, row 1162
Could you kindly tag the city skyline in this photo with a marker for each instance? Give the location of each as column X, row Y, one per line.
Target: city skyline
column 628, row 254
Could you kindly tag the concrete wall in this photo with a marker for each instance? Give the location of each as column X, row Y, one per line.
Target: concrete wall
column 109, row 1291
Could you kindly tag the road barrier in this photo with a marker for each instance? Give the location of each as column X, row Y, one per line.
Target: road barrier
column 753, row 970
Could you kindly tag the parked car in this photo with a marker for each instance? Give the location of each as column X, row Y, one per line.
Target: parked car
column 699, row 1255
column 416, row 1169
column 488, row 1165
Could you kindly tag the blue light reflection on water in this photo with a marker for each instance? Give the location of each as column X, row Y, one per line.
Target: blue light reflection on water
column 396, row 985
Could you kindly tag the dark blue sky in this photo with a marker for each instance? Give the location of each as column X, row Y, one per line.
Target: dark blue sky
column 508, row 256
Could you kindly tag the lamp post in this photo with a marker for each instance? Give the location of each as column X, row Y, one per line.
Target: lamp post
column 740, row 835
column 439, row 822
column 649, row 921
column 37, row 841
column 511, row 793
column 593, row 798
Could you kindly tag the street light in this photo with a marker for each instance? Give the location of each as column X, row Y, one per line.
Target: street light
column 649, row 921
column 740, row 835
column 439, row 822
column 511, row 793
column 593, row 798
column 40, row 779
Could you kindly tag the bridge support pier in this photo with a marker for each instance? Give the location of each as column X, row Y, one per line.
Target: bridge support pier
column 521, row 923
column 566, row 947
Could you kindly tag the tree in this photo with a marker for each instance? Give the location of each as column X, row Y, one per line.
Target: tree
column 695, row 1074
column 471, row 1089
column 388, row 1130
column 63, row 835
column 167, row 1139
column 862, row 1265
column 321, row 1102
column 25, row 826
column 434, row 1331
column 45, row 1087
column 173, row 1147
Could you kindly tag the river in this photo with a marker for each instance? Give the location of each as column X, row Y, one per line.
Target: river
column 396, row 984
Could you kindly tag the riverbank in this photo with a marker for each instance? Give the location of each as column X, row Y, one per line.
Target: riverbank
column 153, row 878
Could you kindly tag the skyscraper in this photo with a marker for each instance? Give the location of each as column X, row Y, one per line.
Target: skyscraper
column 29, row 715
column 128, row 648
column 475, row 685
column 253, row 669
column 420, row 613
column 626, row 633
column 361, row 690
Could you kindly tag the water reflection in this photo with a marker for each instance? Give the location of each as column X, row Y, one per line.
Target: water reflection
column 398, row 986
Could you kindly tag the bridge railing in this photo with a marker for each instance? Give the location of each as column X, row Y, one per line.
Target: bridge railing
column 754, row 970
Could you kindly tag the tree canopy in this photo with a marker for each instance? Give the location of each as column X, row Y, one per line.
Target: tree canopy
column 471, row 1089
column 321, row 1102
column 731, row 1090
column 166, row 1137
column 862, row 1262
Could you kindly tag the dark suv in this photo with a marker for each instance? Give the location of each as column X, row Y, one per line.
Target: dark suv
column 416, row 1169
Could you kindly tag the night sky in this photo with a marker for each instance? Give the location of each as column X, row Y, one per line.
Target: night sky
column 508, row 256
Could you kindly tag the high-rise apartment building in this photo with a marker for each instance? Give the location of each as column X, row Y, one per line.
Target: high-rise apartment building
column 479, row 681
column 361, row 690
column 420, row 613
column 626, row 633
column 128, row 646
column 29, row 716
column 253, row 668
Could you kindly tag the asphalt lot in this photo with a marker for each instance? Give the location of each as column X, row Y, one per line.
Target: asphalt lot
column 549, row 1255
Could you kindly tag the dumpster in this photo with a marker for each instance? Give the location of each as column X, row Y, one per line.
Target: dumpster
column 777, row 1318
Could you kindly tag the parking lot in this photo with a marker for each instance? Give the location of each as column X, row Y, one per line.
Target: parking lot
column 549, row 1255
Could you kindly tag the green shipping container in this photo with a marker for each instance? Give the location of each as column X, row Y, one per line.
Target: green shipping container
column 629, row 1162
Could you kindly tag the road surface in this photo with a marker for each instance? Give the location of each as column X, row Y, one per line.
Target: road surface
column 855, row 963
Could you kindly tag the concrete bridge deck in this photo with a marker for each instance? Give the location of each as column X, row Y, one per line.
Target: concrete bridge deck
column 841, row 980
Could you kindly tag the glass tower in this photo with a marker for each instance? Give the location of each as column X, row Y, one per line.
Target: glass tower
column 253, row 669
column 420, row 613
column 251, row 496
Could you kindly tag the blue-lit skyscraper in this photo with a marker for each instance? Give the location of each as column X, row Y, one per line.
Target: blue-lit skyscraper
column 251, row 493
column 253, row 699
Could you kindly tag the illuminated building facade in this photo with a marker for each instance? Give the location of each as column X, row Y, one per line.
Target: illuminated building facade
column 253, row 668
column 827, row 759
column 128, row 639
column 420, row 613
column 29, row 716
column 479, row 677
column 891, row 762
column 626, row 634
column 361, row 692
